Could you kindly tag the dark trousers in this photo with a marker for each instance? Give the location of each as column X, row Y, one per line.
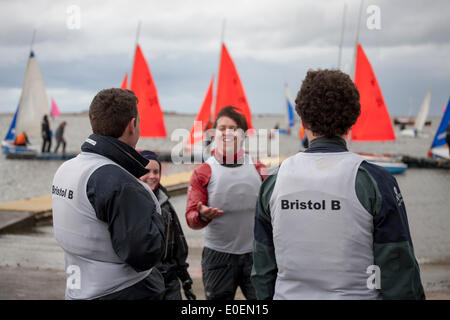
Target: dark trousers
column 223, row 272
column 173, row 288
column 58, row 142
column 151, row 288
column 46, row 144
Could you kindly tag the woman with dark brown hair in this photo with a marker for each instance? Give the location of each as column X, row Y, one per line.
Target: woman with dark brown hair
column 221, row 199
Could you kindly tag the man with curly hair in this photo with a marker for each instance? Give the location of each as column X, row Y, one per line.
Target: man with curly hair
column 329, row 225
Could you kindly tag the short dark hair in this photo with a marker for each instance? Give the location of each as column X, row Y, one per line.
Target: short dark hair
column 232, row 113
column 328, row 102
column 111, row 110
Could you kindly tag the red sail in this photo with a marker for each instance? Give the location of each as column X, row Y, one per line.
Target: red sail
column 152, row 118
column 230, row 90
column 374, row 123
column 125, row 82
column 203, row 120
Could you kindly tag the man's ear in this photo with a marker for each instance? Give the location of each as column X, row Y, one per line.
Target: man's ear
column 131, row 126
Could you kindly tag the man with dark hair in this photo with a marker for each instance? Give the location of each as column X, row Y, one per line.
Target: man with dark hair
column 221, row 198
column 329, row 225
column 107, row 221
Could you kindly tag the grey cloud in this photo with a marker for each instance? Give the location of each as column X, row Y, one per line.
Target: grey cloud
column 181, row 43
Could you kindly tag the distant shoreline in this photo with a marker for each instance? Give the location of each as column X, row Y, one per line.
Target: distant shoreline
column 166, row 113
column 175, row 113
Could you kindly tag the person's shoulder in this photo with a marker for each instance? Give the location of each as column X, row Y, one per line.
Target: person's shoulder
column 269, row 182
column 384, row 185
column 378, row 173
column 201, row 175
column 203, row 169
column 112, row 176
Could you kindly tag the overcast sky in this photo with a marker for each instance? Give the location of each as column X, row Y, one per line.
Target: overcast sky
column 271, row 42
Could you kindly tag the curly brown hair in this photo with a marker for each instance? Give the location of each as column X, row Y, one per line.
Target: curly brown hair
column 111, row 110
column 328, row 102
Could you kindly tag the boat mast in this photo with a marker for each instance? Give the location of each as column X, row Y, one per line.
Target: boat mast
column 216, row 84
column 32, row 40
column 138, row 31
column 352, row 73
column 342, row 37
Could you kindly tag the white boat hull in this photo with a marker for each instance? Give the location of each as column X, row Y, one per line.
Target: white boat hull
column 440, row 152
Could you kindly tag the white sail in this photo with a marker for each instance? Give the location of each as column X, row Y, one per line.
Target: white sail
column 33, row 101
column 423, row 113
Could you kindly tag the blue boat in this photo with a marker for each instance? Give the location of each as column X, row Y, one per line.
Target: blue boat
column 33, row 105
column 8, row 146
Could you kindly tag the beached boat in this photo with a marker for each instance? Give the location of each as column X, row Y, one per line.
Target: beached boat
column 374, row 123
column 33, row 105
column 393, row 164
column 439, row 148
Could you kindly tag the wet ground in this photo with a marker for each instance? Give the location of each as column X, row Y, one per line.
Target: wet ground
column 32, row 267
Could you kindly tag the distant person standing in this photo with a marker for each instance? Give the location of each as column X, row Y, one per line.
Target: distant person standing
column 328, row 224
column 46, row 135
column 59, row 136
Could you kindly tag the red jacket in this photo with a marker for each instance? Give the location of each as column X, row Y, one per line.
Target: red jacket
column 197, row 191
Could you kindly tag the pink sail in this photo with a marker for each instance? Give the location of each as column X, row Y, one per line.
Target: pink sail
column 55, row 111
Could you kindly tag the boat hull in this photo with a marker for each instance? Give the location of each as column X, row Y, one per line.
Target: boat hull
column 9, row 148
column 391, row 163
column 440, row 152
column 392, row 167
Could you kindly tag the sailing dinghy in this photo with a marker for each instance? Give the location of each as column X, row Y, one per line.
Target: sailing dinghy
column 374, row 123
column 142, row 84
column 33, row 105
column 421, row 118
